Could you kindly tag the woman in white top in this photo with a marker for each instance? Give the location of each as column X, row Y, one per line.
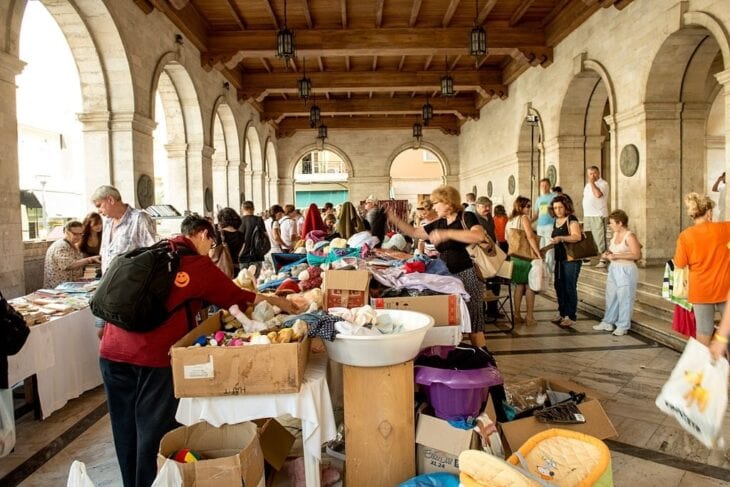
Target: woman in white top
column 623, row 252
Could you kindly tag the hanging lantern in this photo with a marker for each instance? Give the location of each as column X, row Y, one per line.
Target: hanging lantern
column 478, row 37
column 417, row 130
column 427, row 113
column 322, row 132
column 447, row 86
column 304, row 86
column 314, row 115
column 285, row 41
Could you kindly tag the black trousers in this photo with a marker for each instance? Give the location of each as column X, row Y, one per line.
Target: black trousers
column 142, row 407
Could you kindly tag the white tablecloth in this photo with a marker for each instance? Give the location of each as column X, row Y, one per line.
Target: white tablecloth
column 64, row 355
column 312, row 404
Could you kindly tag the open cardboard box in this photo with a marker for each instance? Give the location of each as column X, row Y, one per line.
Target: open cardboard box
column 276, row 443
column 516, row 433
column 231, row 454
column 438, row 444
column 345, row 289
column 226, row 371
column 443, row 308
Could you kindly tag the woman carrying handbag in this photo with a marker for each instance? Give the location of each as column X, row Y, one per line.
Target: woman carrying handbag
column 523, row 248
column 566, row 230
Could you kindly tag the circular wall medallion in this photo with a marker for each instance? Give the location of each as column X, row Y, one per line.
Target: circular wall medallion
column 489, row 189
column 145, row 191
column 552, row 175
column 208, row 199
column 629, row 160
column 511, row 185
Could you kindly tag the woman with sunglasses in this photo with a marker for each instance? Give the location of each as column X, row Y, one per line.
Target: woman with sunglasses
column 520, row 220
column 565, row 230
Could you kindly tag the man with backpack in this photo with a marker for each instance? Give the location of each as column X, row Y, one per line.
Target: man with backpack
column 134, row 357
column 256, row 243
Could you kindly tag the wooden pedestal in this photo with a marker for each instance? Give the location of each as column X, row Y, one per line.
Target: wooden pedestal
column 379, row 425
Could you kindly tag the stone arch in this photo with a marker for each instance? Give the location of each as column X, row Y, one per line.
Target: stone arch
column 443, row 160
column 272, row 170
column 190, row 171
column 421, row 178
column 318, row 146
column 678, row 95
column 529, row 155
column 253, row 155
column 226, row 158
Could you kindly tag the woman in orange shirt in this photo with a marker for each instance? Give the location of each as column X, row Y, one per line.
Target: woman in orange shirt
column 500, row 223
column 705, row 249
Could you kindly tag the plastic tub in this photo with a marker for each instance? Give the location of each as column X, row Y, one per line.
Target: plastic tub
column 455, row 393
column 383, row 350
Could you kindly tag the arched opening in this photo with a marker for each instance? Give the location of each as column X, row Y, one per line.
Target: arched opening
column 414, row 173
column 681, row 153
column 226, row 159
column 50, row 139
column 584, row 135
column 188, row 176
column 254, row 167
column 272, row 169
column 320, row 176
column 529, row 161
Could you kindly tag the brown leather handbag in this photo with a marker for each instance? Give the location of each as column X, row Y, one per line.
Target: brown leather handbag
column 582, row 249
column 519, row 246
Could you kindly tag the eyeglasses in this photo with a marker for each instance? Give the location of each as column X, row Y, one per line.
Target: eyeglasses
column 78, row 234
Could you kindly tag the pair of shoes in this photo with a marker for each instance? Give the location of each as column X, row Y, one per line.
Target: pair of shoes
column 567, row 323
column 530, row 322
column 603, row 327
column 488, row 320
column 619, row 332
column 519, row 320
column 601, row 264
column 557, row 319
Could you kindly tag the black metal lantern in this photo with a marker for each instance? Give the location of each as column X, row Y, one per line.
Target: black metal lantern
column 427, row 113
column 304, row 86
column 447, row 86
column 417, row 130
column 314, row 115
column 322, row 132
column 478, row 37
column 285, row 47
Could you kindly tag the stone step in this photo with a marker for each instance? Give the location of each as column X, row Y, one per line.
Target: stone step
column 649, row 304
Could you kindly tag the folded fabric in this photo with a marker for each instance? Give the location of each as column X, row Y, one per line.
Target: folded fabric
column 417, row 266
column 324, row 328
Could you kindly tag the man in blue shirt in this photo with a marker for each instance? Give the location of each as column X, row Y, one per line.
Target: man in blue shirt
column 541, row 212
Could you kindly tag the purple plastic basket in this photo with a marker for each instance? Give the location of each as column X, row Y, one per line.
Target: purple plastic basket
column 455, row 393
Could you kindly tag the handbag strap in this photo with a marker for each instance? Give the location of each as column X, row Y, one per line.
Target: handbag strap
column 485, row 236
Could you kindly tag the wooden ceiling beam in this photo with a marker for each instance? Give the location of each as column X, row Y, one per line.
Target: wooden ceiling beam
column 462, row 107
column 180, row 4
column 145, row 5
column 307, row 14
column 266, row 64
column 415, row 9
column 484, row 12
column 520, row 12
column 450, row 11
column 370, row 42
column 455, row 62
column 343, row 13
column 401, row 63
column 320, row 62
column 428, row 62
column 448, row 124
column 272, row 14
column 554, row 12
column 237, row 16
column 189, row 21
column 375, row 63
column 379, row 4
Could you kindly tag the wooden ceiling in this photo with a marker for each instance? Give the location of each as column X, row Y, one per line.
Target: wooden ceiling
column 373, row 63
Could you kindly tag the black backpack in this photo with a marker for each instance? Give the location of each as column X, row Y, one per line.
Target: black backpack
column 13, row 329
column 133, row 290
column 260, row 244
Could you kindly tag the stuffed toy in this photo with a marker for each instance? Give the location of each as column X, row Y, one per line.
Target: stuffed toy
column 186, row 455
column 246, row 279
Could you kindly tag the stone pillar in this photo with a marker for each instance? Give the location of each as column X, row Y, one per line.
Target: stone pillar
column 613, row 174
column 694, row 154
column 363, row 186
column 12, row 278
column 257, row 188
column 176, row 179
column 220, row 185
column 131, row 152
column 570, row 167
column 267, row 191
column 273, row 191
column 235, row 185
column 723, row 78
column 200, row 178
column 97, row 152
column 286, row 190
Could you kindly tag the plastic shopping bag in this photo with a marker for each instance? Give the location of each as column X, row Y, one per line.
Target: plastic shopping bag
column 538, row 279
column 77, row 476
column 168, row 476
column 7, row 422
column 696, row 394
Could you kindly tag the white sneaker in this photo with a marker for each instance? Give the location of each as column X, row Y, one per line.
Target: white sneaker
column 603, row 327
column 618, row 332
column 556, row 319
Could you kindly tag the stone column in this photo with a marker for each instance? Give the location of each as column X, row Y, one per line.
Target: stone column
column 176, row 179
column 12, row 275
column 200, row 177
column 131, row 152
column 220, row 185
column 97, row 151
column 235, row 185
column 286, row 190
column 723, row 78
column 570, row 167
column 257, row 188
column 694, row 153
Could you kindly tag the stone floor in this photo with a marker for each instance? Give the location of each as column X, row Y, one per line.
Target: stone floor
column 651, row 449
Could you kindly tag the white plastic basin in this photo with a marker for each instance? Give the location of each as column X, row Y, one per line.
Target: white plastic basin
column 379, row 351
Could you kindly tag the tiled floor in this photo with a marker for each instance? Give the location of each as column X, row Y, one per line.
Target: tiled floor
column 651, row 449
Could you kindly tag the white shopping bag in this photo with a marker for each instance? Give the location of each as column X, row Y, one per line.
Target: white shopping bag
column 77, row 476
column 7, row 423
column 538, row 279
column 696, row 394
column 168, row 476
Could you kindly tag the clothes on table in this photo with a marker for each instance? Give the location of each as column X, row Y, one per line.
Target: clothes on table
column 417, row 266
column 324, row 327
column 395, row 278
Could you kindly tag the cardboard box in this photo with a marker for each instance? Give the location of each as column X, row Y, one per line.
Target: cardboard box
column 442, row 335
column 231, row 454
column 438, row 444
column 233, row 371
column 276, row 443
column 346, row 289
column 515, row 433
column 444, row 308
